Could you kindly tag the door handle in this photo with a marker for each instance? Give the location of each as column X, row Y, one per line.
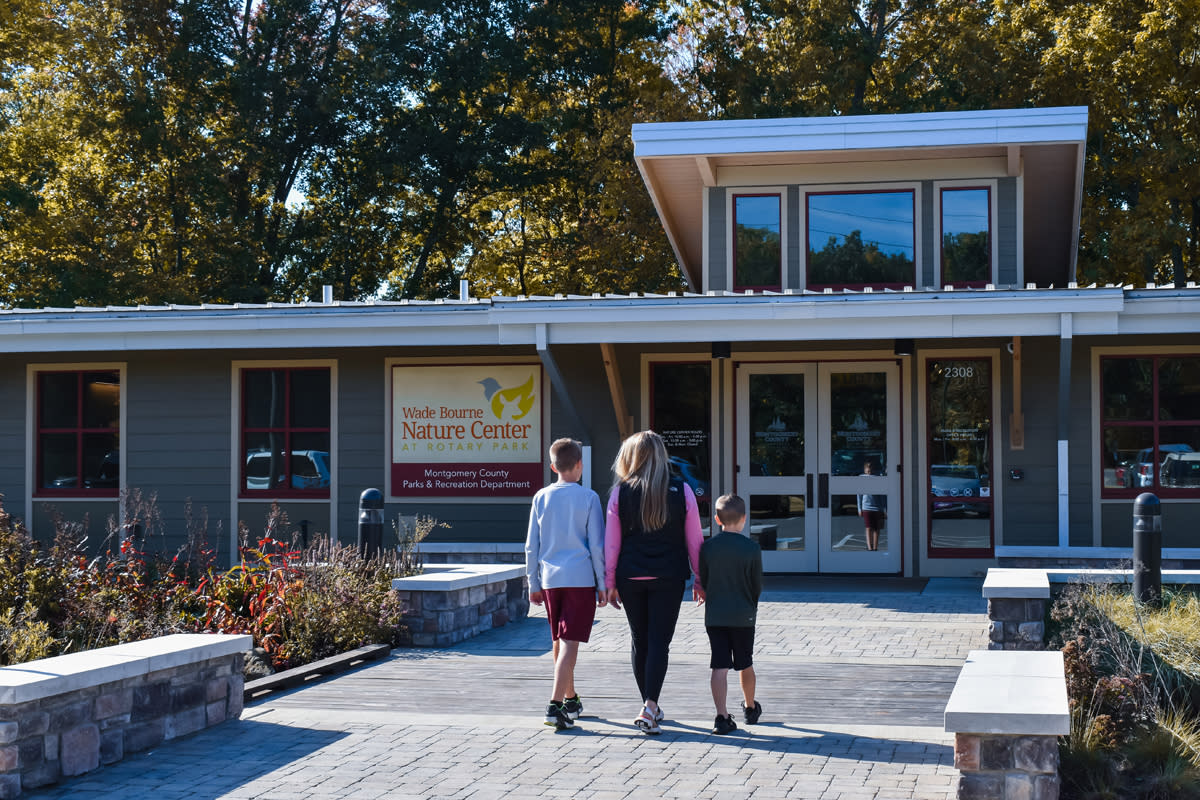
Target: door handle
column 823, row 490
column 808, row 495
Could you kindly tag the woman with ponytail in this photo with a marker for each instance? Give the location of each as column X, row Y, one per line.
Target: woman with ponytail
column 652, row 543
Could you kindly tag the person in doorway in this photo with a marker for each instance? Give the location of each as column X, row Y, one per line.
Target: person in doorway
column 872, row 508
column 564, row 561
column 651, row 546
column 731, row 572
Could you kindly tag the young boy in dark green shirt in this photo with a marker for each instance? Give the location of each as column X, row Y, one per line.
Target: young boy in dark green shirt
column 731, row 573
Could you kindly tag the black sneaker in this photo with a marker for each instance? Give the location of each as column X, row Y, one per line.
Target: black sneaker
column 557, row 718
column 573, row 706
column 752, row 714
column 724, row 725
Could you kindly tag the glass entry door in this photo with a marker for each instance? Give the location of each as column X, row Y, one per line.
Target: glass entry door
column 818, row 456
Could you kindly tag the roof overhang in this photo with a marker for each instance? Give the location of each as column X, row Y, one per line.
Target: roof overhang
column 678, row 160
column 682, row 319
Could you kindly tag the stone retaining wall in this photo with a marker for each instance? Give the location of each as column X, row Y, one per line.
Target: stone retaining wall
column 1004, row 767
column 440, row 616
column 68, row 734
column 1016, row 623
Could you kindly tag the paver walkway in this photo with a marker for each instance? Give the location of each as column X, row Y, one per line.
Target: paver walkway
column 853, row 677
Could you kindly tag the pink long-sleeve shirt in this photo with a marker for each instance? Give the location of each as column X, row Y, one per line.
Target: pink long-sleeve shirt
column 612, row 537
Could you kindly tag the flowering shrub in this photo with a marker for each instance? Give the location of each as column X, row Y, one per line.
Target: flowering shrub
column 299, row 604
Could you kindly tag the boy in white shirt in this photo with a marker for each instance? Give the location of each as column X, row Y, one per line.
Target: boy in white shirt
column 564, row 561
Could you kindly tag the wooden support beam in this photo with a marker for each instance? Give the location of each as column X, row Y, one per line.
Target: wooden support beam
column 1014, row 160
column 615, row 388
column 708, row 175
column 1016, row 423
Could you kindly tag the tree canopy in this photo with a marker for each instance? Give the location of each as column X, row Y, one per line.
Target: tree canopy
column 253, row 150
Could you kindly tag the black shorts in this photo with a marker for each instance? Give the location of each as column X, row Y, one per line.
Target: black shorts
column 732, row 648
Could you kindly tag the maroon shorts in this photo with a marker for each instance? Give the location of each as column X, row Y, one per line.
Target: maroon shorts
column 572, row 610
column 872, row 519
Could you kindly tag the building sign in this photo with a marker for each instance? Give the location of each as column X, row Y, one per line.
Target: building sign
column 467, row 431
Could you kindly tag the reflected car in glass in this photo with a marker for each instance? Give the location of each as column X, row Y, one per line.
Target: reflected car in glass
column 309, row 468
column 1139, row 473
column 955, row 480
column 1180, row 471
column 686, row 471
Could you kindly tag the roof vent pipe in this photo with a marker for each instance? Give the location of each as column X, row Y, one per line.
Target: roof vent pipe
column 464, row 290
column 326, row 294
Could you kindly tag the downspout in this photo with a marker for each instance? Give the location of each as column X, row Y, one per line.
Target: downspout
column 564, row 397
column 1064, row 424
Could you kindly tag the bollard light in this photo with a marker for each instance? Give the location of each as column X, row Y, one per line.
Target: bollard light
column 1147, row 550
column 370, row 522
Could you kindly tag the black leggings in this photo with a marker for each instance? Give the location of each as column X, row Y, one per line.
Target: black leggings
column 652, row 608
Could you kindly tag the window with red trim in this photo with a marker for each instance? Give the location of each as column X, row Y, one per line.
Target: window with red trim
column 966, row 236
column 1150, row 425
column 861, row 239
column 757, row 242
column 78, row 433
column 960, row 458
column 285, row 432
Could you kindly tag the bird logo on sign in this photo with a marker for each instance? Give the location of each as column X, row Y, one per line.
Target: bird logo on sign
column 512, row 403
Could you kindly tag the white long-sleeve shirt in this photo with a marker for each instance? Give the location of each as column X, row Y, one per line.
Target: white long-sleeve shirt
column 565, row 543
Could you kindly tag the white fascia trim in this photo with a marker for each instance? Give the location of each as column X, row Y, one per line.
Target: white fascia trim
column 813, row 316
column 882, row 131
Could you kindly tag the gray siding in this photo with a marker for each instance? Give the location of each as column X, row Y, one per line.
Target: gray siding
column 177, row 440
column 795, row 237
column 1031, row 504
column 1006, row 231
column 717, row 234
column 12, row 434
column 925, row 268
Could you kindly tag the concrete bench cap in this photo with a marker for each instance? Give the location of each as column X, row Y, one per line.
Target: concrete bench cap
column 1004, row 582
column 450, row 577
column 1014, row 692
column 46, row 677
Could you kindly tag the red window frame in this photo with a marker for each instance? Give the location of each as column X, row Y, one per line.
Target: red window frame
column 775, row 287
column 78, row 430
column 942, row 233
column 287, row 430
column 839, row 286
column 961, row 552
column 1154, row 423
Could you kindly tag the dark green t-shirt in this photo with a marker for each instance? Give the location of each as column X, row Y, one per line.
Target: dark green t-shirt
column 731, row 573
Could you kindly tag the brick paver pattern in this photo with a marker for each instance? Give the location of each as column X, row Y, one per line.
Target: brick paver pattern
column 286, row 749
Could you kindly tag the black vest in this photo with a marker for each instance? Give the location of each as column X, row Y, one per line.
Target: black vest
column 660, row 553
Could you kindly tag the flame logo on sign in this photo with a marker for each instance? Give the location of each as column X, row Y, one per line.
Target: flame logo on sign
column 512, row 403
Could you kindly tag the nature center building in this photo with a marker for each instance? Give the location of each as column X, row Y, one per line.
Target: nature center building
column 891, row 295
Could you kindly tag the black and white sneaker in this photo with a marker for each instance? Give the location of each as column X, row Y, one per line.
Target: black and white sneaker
column 724, row 725
column 557, row 718
column 753, row 713
column 573, row 706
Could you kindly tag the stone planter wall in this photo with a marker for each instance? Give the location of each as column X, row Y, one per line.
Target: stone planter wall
column 1016, row 624
column 447, row 606
column 1001, row 767
column 471, row 553
column 87, row 709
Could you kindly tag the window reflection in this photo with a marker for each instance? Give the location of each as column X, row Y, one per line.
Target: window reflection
column 1150, row 426
column 966, row 239
column 682, row 415
column 861, row 238
column 757, row 250
column 960, row 457
column 777, row 521
column 776, row 424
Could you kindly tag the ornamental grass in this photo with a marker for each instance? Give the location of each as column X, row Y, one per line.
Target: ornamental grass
column 1133, row 684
